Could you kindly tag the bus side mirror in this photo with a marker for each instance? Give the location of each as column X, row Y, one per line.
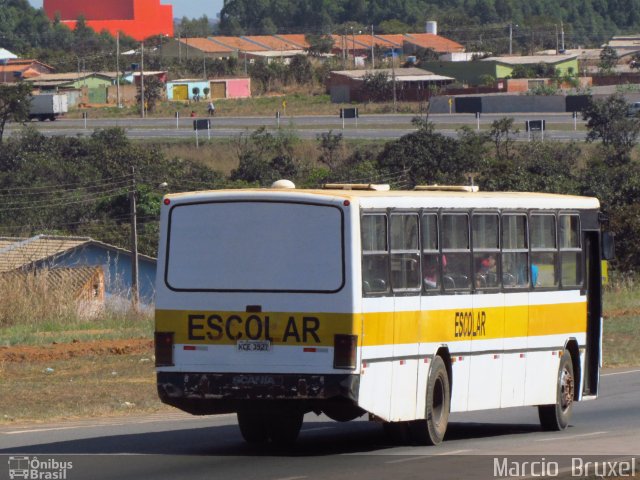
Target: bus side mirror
column 608, row 246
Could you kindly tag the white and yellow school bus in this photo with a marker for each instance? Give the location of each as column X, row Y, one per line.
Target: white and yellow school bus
column 406, row 305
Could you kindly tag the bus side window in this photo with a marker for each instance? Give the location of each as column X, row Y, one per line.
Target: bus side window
column 405, row 253
column 570, row 250
column 515, row 251
column 430, row 252
column 375, row 258
column 486, row 249
column 456, row 252
column 544, row 251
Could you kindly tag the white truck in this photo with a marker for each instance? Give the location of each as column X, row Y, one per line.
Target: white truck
column 48, row 106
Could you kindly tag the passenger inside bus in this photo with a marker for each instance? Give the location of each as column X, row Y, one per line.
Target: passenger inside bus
column 486, row 272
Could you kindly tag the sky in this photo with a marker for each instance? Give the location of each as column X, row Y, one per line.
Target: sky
column 181, row 8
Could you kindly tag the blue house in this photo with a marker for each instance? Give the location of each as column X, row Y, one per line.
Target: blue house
column 51, row 252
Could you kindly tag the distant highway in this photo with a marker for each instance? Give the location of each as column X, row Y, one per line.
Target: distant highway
column 176, row 445
column 559, row 126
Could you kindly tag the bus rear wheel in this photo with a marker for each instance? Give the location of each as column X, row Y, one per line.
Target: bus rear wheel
column 556, row 417
column 431, row 430
column 284, row 427
column 253, row 426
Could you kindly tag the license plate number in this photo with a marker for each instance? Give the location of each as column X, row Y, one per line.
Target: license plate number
column 253, row 345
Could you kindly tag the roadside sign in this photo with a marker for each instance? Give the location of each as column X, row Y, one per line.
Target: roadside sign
column 349, row 113
column 202, row 124
column 536, row 126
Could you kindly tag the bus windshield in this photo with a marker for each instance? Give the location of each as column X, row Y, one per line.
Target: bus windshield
column 255, row 246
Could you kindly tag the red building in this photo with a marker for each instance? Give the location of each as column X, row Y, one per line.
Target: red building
column 137, row 18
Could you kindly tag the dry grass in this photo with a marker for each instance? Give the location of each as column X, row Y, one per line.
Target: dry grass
column 265, row 105
column 90, row 386
column 219, row 155
column 34, row 312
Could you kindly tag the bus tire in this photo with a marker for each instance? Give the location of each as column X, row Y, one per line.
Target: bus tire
column 556, row 417
column 432, row 429
column 253, row 426
column 397, row 432
column 284, row 428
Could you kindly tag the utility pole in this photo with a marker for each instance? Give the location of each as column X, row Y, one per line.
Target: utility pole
column 562, row 34
column 204, row 65
column 393, row 75
column 373, row 60
column 118, row 69
column 142, row 102
column 511, row 39
column 179, row 48
column 557, row 42
column 353, row 38
column 134, row 242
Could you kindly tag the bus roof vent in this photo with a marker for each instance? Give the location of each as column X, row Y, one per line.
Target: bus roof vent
column 283, row 184
column 447, row 188
column 357, row 186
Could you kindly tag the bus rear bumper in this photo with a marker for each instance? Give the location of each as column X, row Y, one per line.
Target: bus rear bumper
column 209, row 393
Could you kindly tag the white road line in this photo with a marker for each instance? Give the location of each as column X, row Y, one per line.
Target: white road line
column 563, row 437
column 618, row 373
column 316, row 429
column 455, row 452
column 423, row 457
column 291, row 478
column 402, row 460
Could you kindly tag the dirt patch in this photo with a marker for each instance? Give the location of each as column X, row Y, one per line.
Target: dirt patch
column 62, row 351
column 623, row 312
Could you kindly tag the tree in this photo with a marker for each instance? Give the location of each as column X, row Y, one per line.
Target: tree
column 196, row 93
column 301, row 70
column 15, row 102
column 331, row 145
column 607, row 121
column 319, row 44
column 153, row 88
column 376, row 86
column 608, row 59
column 502, row 135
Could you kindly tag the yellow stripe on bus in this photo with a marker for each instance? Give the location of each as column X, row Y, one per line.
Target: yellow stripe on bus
column 375, row 329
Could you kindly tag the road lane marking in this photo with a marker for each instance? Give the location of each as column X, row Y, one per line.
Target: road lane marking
column 551, row 439
column 316, row 429
column 291, row 478
column 423, row 457
column 619, row 373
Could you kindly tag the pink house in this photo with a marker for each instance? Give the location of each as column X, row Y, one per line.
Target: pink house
column 231, row 88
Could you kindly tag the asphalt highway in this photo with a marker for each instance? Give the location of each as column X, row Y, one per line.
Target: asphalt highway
column 176, row 445
column 559, row 126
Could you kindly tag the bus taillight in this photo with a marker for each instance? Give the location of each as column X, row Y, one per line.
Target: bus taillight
column 164, row 349
column 344, row 353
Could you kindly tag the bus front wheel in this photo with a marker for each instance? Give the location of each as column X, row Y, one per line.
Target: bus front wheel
column 431, row 430
column 556, row 417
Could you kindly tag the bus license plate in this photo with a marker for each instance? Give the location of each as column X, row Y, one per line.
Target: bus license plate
column 254, row 345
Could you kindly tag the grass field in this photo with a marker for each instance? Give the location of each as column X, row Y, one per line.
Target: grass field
column 291, row 104
column 105, row 367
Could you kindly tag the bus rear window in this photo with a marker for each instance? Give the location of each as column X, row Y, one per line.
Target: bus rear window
column 255, row 246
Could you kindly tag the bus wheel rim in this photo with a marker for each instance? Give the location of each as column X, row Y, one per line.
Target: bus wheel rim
column 566, row 389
